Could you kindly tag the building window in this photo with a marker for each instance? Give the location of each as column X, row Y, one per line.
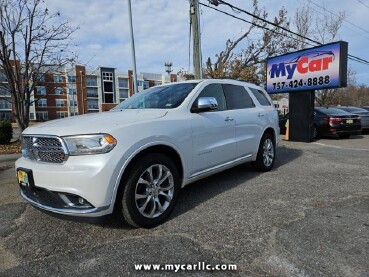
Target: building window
column 71, row 79
column 58, row 91
column 4, row 90
column 58, row 79
column 91, row 81
column 31, row 116
column 4, row 115
column 5, row 105
column 146, row 84
column 72, row 103
column 123, row 93
column 59, row 102
column 140, row 83
column 40, row 78
column 3, row 77
column 72, row 91
column 92, row 104
column 157, row 83
column 108, row 87
column 73, row 113
column 42, row 103
column 60, row 115
column 107, row 76
column 109, row 98
column 92, row 92
column 41, row 90
column 42, row 116
column 123, row 83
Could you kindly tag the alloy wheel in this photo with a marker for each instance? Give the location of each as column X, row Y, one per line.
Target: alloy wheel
column 154, row 191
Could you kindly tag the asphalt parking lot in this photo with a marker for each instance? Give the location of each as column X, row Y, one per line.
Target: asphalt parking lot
column 307, row 217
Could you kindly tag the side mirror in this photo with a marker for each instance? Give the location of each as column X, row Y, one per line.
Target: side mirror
column 204, row 104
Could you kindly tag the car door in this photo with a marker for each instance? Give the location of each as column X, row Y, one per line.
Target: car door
column 249, row 120
column 213, row 133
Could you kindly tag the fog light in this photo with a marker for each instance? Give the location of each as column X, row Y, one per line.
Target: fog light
column 81, row 200
column 74, row 201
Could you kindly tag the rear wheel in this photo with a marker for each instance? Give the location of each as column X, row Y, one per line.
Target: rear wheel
column 266, row 154
column 150, row 191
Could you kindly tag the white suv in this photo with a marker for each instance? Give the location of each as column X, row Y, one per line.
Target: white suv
column 135, row 159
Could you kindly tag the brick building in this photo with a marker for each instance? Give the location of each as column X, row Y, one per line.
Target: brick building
column 76, row 91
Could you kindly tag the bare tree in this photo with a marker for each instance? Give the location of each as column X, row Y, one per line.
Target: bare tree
column 32, row 41
column 323, row 28
column 248, row 63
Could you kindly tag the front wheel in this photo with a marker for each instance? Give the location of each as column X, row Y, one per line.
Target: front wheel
column 150, row 191
column 266, row 154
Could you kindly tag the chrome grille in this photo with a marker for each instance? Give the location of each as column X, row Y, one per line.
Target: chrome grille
column 44, row 149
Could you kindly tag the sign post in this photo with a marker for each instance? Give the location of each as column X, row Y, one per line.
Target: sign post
column 301, row 74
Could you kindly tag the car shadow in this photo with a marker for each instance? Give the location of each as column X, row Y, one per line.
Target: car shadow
column 201, row 191
column 207, row 188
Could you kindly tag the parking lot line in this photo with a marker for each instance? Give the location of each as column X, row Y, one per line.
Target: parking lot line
column 340, row 147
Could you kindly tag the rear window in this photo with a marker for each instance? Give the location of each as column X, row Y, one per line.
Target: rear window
column 237, row 97
column 352, row 109
column 260, row 96
column 331, row 111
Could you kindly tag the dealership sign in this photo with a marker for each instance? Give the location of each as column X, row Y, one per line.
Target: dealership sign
column 315, row 68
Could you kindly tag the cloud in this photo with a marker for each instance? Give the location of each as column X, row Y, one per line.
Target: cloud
column 161, row 30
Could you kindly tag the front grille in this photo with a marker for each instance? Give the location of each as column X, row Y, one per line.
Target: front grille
column 43, row 149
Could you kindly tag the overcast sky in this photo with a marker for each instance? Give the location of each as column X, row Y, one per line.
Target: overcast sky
column 161, row 30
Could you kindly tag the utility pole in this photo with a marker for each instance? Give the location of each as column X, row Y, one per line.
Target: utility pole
column 194, row 15
column 135, row 90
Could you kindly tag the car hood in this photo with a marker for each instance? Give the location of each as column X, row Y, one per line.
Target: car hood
column 94, row 123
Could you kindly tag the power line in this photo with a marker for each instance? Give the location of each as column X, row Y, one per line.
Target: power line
column 361, row 2
column 354, row 58
column 351, row 29
column 332, row 13
column 255, row 24
column 266, row 21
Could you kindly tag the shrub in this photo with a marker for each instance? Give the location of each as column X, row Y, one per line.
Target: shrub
column 6, row 131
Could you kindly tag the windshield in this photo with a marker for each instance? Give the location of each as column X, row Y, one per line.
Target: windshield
column 163, row 97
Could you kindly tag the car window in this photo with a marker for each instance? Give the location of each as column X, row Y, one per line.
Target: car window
column 216, row 91
column 161, row 97
column 237, row 97
column 331, row 111
column 260, row 96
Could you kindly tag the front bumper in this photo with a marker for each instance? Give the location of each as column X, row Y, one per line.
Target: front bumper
column 57, row 188
column 42, row 202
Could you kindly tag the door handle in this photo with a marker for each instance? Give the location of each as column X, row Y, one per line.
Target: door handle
column 228, row 119
column 260, row 115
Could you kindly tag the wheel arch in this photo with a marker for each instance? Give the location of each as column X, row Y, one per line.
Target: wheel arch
column 167, row 150
column 270, row 131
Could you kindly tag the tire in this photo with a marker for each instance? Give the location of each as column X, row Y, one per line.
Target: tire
column 266, row 154
column 149, row 192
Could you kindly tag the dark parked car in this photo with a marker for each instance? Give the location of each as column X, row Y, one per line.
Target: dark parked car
column 364, row 114
column 335, row 122
column 330, row 122
column 282, row 123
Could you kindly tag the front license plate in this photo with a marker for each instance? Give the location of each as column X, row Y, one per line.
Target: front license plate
column 349, row 121
column 24, row 177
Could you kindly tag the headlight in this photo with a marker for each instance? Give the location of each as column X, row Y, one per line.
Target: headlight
column 89, row 144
